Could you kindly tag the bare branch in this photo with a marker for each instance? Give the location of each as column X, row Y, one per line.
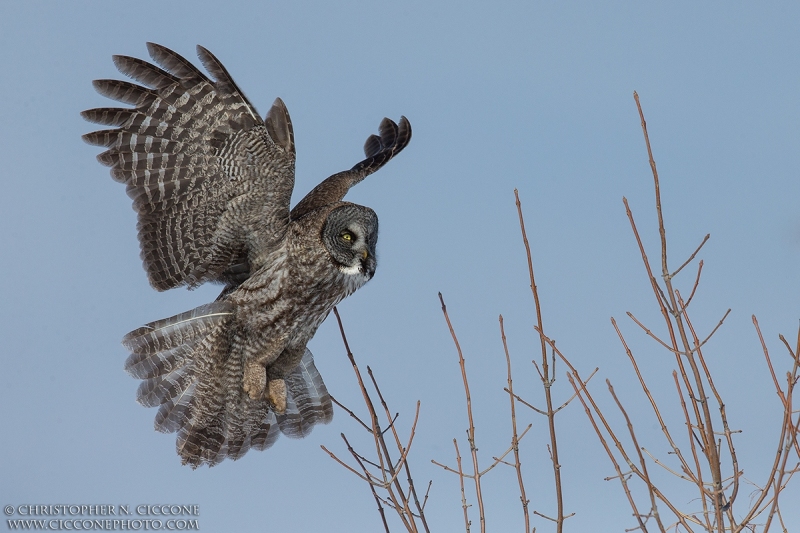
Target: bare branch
column 696, row 283
column 705, row 239
column 547, row 378
column 351, row 413
column 471, row 431
column 333, row 456
column 560, row 407
column 461, row 476
column 389, row 471
column 642, row 462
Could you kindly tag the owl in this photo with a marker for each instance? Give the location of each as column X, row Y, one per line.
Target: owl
column 211, row 183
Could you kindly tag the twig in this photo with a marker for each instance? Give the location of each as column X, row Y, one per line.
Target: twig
column 692, row 439
column 471, row 430
column 610, row 454
column 351, row 413
column 498, row 460
column 461, row 476
column 705, row 239
column 388, row 470
column 547, row 379
column 679, row 352
column 723, row 413
column 560, row 407
column 681, row 517
column 642, row 462
column 645, row 388
column 378, row 499
column 412, row 490
column 707, row 429
column 696, row 283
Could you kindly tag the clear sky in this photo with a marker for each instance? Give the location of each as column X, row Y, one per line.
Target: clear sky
column 502, row 95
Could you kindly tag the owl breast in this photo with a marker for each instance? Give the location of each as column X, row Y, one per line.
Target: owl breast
column 284, row 302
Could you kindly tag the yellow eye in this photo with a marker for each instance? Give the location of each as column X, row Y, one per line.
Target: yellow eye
column 347, row 236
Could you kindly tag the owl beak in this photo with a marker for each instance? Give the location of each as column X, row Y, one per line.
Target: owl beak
column 367, row 264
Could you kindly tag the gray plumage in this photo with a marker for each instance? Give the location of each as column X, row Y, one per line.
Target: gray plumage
column 211, row 183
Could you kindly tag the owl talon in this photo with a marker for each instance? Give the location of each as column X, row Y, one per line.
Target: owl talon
column 277, row 395
column 255, row 380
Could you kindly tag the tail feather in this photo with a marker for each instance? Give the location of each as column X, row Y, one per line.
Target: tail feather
column 147, row 366
column 153, row 392
column 173, row 413
column 200, row 445
column 242, row 419
column 267, row 433
column 308, row 402
column 184, row 328
column 201, row 438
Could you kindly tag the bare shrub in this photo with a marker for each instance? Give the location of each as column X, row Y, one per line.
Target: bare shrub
column 704, row 457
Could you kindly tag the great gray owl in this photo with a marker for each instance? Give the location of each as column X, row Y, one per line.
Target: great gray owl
column 211, row 183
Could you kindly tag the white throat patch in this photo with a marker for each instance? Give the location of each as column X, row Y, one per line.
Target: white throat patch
column 351, row 270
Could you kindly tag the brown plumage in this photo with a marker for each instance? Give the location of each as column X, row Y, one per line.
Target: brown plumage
column 211, row 182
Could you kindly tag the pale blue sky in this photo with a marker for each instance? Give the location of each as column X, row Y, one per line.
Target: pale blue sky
column 502, row 95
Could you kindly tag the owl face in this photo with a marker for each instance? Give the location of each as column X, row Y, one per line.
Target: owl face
column 350, row 235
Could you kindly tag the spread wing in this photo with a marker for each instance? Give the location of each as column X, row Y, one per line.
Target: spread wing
column 210, row 180
column 379, row 149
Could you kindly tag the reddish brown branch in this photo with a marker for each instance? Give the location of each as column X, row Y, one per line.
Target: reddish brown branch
column 460, row 473
column 547, row 377
column 696, row 283
column 705, row 423
column 388, row 471
column 642, row 463
column 471, row 430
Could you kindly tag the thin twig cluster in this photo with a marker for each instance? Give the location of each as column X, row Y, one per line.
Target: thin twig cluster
column 477, row 473
column 547, row 377
column 705, row 458
column 383, row 473
column 711, row 464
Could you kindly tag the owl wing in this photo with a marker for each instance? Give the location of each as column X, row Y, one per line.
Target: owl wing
column 379, row 149
column 210, row 181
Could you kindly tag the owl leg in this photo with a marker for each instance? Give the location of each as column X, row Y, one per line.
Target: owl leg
column 255, row 379
column 286, row 362
column 256, row 385
column 276, row 394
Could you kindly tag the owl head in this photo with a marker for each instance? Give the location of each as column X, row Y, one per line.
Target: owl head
column 350, row 234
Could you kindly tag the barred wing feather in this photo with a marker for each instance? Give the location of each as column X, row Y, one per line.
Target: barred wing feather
column 199, row 164
column 378, row 149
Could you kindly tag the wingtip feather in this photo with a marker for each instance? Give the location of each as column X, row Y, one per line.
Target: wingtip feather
column 279, row 126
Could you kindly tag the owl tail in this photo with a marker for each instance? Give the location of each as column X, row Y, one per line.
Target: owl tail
column 307, row 400
column 164, row 355
column 246, row 423
column 188, row 372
